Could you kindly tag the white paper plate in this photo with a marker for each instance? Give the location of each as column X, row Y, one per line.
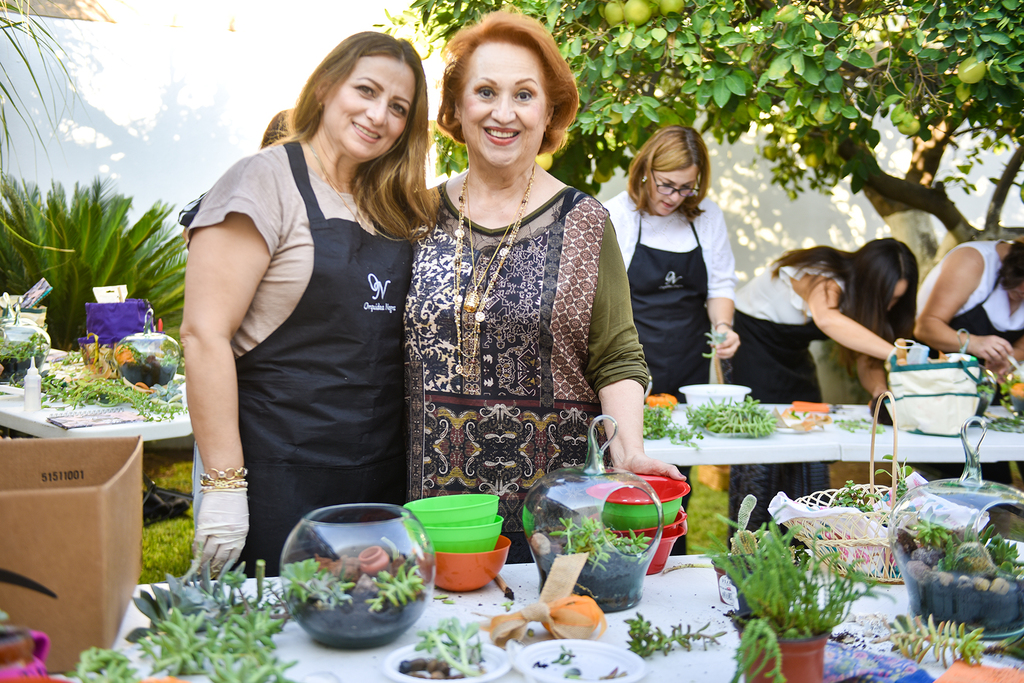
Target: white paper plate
column 594, row 660
column 495, row 661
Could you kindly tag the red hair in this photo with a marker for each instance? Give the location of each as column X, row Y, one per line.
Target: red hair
column 521, row 31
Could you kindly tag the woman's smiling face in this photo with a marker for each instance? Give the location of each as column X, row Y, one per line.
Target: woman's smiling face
column 504, row 109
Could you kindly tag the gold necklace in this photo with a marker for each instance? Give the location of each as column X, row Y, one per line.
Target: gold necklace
column 469, row 311
column 330, row 183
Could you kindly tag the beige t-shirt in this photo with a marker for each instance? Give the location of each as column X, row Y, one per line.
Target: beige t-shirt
column 263, row 188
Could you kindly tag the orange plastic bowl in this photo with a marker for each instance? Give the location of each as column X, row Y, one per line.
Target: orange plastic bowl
column 469, row 571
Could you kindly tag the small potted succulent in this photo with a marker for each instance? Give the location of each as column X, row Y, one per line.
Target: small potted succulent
column 794, row 602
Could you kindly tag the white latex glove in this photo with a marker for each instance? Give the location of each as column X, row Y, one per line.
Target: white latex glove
column 222, row 524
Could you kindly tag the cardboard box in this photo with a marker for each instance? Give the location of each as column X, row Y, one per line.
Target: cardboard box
column 71, row 520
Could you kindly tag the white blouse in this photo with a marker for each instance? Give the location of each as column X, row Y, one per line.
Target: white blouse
column 995, row 300
column 772, row 298
column 672, row 233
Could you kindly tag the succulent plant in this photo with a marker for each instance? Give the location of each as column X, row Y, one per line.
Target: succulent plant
column 744, row 541
column 973, row 558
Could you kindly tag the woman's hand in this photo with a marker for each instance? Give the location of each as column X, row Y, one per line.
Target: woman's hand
column 728, row 348
column 991, row 349
column 639, row 463
column 222, row 523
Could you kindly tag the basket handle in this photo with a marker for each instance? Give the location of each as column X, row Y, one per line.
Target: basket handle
column 895, row 432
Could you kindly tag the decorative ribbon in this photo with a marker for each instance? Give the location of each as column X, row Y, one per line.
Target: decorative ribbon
column 564, row 615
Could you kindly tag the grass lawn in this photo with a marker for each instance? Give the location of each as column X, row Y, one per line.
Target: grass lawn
column 167, row 546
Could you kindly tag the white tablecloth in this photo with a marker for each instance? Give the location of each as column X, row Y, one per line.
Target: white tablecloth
column 832, row 444
column 686, row 596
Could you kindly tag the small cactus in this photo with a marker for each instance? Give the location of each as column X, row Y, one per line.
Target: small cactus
column 973, row 558
column 744, row 542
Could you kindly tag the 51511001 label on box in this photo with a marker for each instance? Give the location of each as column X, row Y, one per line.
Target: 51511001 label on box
column 66, row 475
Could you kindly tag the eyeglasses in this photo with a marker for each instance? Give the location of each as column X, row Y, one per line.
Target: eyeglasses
column 669, row 190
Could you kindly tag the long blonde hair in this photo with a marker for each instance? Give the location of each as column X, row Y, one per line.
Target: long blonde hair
column 390, row 190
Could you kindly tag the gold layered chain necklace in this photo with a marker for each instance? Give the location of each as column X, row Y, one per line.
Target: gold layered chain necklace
column 327, row 178
column 469, row 310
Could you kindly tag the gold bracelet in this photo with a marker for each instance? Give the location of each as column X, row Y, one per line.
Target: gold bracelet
column 230, row 474
column 225, row 485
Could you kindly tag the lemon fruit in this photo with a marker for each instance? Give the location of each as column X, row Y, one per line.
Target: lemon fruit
column 667, row 6
column 613, row 13
column 909, row 126
column 601, row 177
column 971, row 70
column 812, row 160
column 637, row 12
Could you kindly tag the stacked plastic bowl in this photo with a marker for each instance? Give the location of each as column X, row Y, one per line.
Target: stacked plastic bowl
column 465, row 530
column 629, row 509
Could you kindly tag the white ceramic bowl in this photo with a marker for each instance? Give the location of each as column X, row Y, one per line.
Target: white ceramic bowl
column 696, row 394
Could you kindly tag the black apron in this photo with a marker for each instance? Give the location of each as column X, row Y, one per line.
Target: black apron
column 775, row 362
column 669, row 293
column 320, row 400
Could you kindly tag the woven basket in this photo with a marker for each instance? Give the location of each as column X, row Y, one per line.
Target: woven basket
column 858, row 538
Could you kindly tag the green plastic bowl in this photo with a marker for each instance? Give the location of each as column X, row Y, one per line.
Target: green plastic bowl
column 465, row 509
column 619, row 516
column 478, row 538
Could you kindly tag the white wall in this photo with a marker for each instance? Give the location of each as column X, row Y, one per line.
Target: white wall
column 164, row 111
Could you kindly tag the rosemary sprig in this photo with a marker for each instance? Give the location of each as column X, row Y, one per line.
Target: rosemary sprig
column 658, row 424
column 645, row 640
column 163, row 404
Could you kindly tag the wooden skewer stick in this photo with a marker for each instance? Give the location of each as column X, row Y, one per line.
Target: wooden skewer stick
column 509, row 595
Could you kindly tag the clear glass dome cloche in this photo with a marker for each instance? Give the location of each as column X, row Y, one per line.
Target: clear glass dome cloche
column 148, row 357
column 21, row 340
column 956, row 544
column 568, row 511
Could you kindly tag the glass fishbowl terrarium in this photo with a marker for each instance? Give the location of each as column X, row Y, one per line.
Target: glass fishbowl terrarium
column 568, row 511
column 956, row 544
column 21, row 340
column 148, row 357
column 359, row 575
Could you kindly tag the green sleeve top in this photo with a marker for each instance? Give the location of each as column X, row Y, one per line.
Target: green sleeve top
column 615, row 351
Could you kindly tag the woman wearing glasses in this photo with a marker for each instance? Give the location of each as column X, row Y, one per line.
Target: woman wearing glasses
column 680, row 266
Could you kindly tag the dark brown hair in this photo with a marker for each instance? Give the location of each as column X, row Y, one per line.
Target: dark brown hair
column 390, row 190
column 670, row 149
column 868, row 277
column 522, row 31
column 1011, row 273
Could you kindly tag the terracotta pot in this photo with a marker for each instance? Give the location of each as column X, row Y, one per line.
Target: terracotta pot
column 803, row 661
column 373, row 559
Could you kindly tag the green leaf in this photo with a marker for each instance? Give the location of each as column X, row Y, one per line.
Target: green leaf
column 764, row 101
column 641, row 41
column 625, row 38
column 1011, row 5
column 834, row 82
column 997, row 38
column 748, row 54
column 826, row 28
column 736, row 84
column 797, row 60
column 860, row 59
column 832, row 61
column 850, row 112
column 779, row 67
column 721, row 93
column 812, row 73
column 732, row 38
column 658, row 34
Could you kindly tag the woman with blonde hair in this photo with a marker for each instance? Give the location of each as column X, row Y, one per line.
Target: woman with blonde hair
column 299, row 262
column 518, row 330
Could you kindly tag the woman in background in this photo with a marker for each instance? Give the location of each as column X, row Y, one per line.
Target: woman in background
column 682, row 274
column 862, row 300
column 299, row 262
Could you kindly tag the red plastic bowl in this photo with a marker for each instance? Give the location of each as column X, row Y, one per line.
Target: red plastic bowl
column 667, row 489
column 469, row 571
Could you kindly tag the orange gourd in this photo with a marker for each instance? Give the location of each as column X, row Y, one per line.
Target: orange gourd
column 662, row 401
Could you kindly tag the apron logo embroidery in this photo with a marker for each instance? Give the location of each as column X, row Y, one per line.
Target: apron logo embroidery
column 673, row 281
column 379, row 289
